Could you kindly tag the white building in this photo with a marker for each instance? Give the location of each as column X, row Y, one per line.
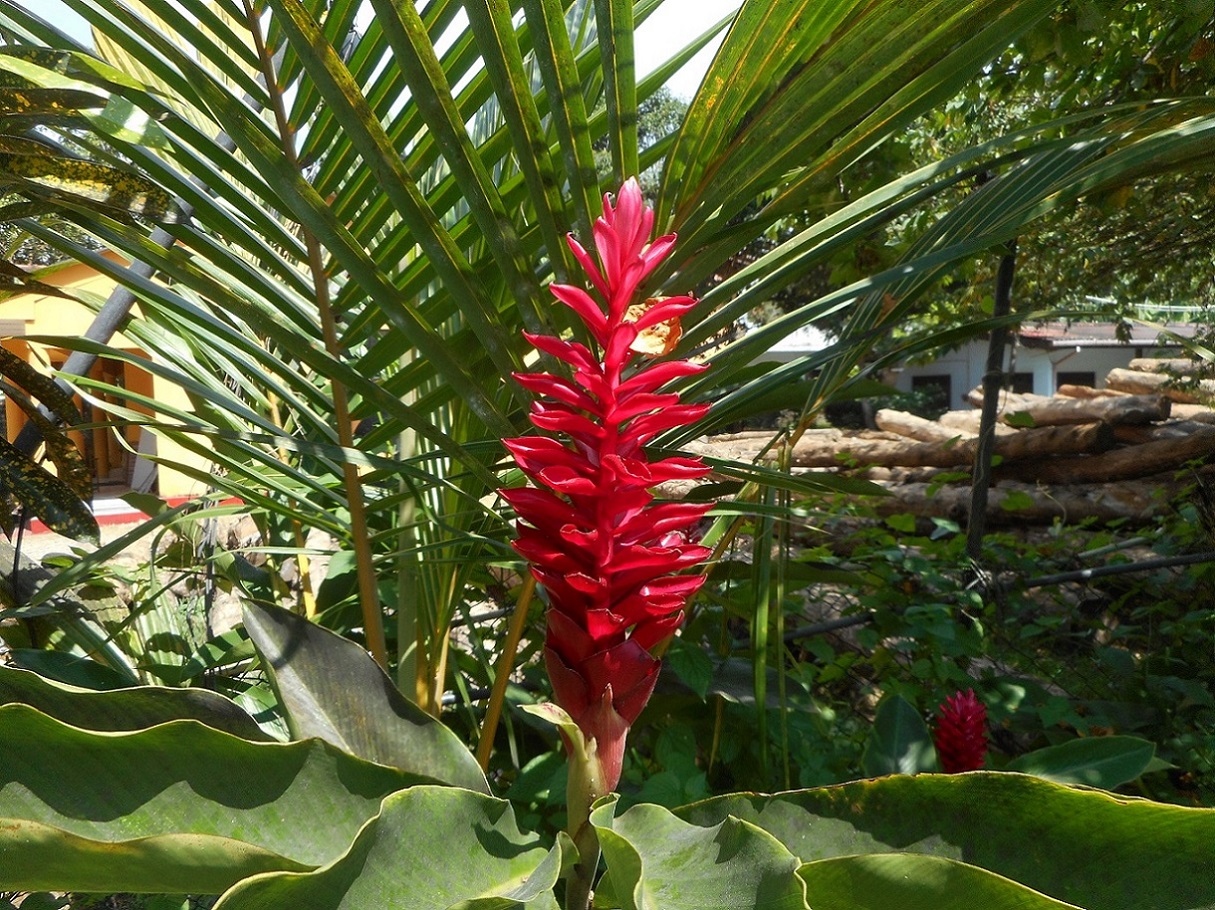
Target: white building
column 1041, row 358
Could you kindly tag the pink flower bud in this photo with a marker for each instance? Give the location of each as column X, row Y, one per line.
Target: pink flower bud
column 961, row 734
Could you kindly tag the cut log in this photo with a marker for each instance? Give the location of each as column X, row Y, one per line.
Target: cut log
column 1160, row 384
column 968, row 422
column 1198, row 412
column 898, row 475
column 1172, row 366
column 1047, row 412
column 1087, row 391
column 1009, row 401
column 832, row 450
column 1172, row 429
column 1119, row 464
column 915, row 427
column 748, row 447
column 1037, row 442
column 1056, row 440
column 764, row 435
column 1020, row 503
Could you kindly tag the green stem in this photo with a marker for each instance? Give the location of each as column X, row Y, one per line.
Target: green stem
column 585, row 785
column 582, row 879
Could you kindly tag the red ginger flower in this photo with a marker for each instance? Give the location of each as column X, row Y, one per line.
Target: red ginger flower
column 605, row 553
column 961, row 734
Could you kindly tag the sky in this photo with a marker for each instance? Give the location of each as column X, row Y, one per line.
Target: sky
column 675, row 23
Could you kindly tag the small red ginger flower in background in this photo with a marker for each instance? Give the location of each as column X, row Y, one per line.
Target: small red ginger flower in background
column 961, row 734
column 607, row 556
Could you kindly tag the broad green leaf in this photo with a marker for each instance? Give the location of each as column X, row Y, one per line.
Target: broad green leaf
column 430, row 848
column 691, row 664
column 179, row 808
column 1099, row 761
column 911, row 881
column 72, row 669
column 331, row 688
column 656, row 861
column 1084, row 847
column 125, row 709
column 899, row 742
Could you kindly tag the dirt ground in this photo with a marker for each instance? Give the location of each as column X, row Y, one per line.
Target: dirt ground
column 38, row 545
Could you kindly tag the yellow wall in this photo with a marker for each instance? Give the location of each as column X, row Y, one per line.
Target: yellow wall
column 30, row 313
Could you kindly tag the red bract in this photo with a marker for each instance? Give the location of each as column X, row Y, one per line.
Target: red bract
column 961, row 735
column 605, row 553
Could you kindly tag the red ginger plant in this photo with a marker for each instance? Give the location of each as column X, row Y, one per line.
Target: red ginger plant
column 605, row 553
column 961, row 734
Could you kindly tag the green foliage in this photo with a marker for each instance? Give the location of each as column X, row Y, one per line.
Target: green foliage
column 1139, row 244
column 445, row 847
column 657, row 860
column 181, row 799
column 1111, row 673
column 1106, row 761
column 1028, row 830
column 915, row 882
column 333, row 691
column 900, row 743
column 124, row 709
column 183, row 806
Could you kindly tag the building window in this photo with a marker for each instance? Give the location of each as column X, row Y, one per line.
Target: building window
column 939, row 386
column 1076, row 378
column 1023, row 383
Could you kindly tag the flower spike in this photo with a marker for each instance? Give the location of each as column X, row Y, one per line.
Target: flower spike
column 961, row 734
column 608, row 557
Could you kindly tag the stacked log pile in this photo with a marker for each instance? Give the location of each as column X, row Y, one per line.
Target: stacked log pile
column 1110, row 453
